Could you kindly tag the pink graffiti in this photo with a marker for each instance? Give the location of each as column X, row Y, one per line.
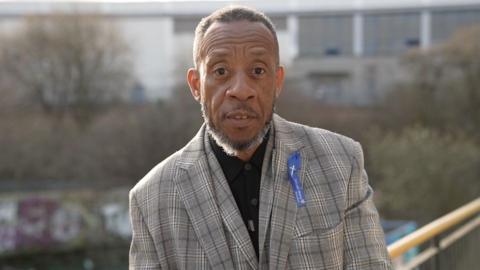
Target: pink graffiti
column 34, row 215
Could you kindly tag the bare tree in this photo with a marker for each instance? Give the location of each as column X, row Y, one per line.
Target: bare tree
column 67, row 64
column 444, row 89
column 431, row 150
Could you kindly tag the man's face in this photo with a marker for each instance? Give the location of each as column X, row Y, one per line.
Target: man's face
column 237, row 81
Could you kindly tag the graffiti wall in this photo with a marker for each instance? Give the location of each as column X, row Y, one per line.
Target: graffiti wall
column 62, row 220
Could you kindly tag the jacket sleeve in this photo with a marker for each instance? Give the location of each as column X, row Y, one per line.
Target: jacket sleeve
column 142, row 254
column 364, row 244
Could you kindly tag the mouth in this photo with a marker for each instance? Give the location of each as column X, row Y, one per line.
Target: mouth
column 240, row 115
column 240, row 118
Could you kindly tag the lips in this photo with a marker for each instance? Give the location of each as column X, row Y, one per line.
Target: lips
column 240, row 118
column 240, row 115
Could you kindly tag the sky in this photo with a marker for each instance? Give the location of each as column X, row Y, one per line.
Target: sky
column 326, row 2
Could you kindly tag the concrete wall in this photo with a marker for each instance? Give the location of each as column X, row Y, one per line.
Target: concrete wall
column 151, row 40
column 51, row 221
column 346, row 80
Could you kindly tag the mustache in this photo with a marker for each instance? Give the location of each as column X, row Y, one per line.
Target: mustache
column 242, row 107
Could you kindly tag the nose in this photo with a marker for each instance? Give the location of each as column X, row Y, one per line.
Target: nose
column 241, row 88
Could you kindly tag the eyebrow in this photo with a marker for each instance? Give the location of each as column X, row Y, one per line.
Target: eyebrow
column 220, row 53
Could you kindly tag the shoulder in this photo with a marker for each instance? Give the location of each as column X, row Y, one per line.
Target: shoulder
column 321, row 141
column 158, row 178
column 331, row 141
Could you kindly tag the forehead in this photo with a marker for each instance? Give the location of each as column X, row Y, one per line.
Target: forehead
column 223, row 35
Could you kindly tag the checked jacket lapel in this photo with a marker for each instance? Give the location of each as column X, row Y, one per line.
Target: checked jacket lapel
column 229, row 211
column 195, row 184
column 211, row 206
column 284, row 209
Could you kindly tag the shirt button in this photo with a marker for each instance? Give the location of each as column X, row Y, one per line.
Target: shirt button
column 248, row 167
column 254, row 202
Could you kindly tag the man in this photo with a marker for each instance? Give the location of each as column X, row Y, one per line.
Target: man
column 252, row 190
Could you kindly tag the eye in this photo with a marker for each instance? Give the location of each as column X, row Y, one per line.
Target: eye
column 220, row 71
column 258, row 71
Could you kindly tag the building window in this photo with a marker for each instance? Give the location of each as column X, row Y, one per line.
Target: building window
column 391, row 34
column 325, row 35
column 187, row 25
column 445, row 23
column 332, row 51
column 412, row 42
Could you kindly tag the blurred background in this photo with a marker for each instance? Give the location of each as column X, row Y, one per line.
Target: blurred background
column 93, row 95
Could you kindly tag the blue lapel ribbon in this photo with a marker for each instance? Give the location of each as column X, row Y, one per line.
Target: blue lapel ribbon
column 294, row 164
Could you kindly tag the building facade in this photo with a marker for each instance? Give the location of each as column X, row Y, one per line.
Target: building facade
column 340, row 52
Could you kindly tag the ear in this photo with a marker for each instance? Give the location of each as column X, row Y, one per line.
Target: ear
column 193, row 79
column 279, row 79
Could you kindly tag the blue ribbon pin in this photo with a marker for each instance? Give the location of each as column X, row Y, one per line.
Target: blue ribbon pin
column 294, row 163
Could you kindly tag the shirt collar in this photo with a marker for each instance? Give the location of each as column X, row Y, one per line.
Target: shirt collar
column 231, row 165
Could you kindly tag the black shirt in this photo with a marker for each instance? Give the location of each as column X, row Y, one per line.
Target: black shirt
column 244, row 181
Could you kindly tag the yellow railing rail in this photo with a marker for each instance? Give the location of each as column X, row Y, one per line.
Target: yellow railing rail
column 434, row 228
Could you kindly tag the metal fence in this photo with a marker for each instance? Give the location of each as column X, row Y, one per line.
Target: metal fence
column 450, row 242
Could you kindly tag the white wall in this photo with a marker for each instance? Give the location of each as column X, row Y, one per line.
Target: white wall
column 152, row 43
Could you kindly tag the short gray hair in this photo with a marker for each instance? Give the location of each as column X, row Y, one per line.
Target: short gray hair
column 227, row 15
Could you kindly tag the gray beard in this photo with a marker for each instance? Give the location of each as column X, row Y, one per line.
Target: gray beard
column 229, row 146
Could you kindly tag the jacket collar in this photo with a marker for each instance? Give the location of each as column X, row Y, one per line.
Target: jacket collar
column 284, row 137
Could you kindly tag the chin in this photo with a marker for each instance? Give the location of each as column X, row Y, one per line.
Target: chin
column 233, row 145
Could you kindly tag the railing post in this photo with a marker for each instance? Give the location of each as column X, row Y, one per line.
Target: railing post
column 436, row 258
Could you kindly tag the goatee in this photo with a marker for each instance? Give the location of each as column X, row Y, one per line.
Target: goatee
column 231, row 147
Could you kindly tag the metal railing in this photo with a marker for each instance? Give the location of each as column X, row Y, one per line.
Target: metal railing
column 450, row 242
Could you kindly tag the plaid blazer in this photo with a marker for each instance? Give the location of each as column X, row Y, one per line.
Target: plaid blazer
column 184, row 216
